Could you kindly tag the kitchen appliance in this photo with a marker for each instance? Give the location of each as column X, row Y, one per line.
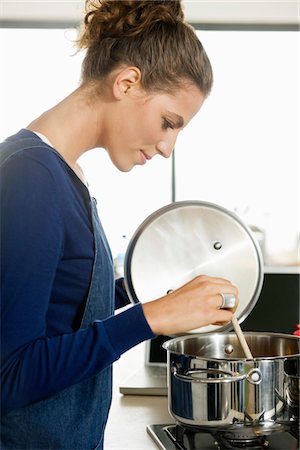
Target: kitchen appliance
column 179, row 437
column 151, row 377
column 212, row 388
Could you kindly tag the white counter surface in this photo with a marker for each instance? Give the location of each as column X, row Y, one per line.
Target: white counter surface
column 130, row 414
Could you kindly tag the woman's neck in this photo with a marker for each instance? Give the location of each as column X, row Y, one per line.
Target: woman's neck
column 72, row 126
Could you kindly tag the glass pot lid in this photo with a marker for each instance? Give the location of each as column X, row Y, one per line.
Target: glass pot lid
column 189, row 238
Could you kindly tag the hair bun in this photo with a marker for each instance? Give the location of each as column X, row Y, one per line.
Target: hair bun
column 151, row 35
column 113, row 18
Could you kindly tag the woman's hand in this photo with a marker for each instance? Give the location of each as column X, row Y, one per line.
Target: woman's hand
column 194, row 305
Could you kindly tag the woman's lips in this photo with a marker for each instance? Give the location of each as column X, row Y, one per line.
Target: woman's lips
column 144, row 157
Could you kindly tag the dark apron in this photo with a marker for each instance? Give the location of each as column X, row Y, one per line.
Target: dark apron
column 74, row 418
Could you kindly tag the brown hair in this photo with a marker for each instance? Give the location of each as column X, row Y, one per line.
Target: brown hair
column 151, row 35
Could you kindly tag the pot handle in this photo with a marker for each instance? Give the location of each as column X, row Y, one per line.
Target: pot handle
column 253, row 376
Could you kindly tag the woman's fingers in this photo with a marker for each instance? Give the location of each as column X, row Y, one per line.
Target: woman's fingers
column 214, row 288
column 198, row 303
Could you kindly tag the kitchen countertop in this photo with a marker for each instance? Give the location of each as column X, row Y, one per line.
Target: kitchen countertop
column 130, row 414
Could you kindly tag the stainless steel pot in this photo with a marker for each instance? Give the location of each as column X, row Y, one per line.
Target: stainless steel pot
column 212, row 385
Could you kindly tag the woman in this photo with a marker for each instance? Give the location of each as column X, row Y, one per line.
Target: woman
column 144, row 76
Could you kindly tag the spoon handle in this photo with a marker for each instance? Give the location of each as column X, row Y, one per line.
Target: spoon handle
column 241, row 338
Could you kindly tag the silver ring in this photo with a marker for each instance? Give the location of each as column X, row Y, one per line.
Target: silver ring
column 228, row 301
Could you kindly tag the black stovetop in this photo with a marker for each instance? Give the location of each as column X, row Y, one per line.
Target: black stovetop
column 173, row 437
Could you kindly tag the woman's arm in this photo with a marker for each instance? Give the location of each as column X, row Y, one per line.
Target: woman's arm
column 121, row 296
column 34, row 364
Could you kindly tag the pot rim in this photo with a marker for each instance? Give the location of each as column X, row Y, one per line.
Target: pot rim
column 167, row 344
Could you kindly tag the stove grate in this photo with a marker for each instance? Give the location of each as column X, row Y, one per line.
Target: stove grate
column 178, row 437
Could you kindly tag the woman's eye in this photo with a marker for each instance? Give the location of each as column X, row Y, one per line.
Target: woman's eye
column 167, row 124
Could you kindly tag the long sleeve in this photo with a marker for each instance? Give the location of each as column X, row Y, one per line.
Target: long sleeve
column 42, row 351
column 121, row 297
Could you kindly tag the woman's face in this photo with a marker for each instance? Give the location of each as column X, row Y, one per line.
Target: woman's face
column 140, row 126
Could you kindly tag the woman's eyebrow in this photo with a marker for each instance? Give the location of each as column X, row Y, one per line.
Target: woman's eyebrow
column 179, row 122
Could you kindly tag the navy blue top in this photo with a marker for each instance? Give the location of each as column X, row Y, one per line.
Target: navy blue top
column 47, row 252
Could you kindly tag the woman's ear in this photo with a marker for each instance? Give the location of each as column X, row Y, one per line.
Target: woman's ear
column 125, row 81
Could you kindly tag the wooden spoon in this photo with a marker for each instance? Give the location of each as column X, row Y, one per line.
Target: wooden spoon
column 241, row 338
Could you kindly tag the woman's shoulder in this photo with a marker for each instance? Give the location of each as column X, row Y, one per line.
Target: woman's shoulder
column 26, row 159
column 30, row 165
column 26, row 145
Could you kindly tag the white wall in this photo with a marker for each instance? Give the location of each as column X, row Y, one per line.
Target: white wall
column 265, row 164
column 197, row 11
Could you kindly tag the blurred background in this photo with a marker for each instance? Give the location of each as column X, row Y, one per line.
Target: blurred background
column 241, row 151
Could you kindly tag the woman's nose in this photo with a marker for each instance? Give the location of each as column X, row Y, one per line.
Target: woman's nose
column 165, row 148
